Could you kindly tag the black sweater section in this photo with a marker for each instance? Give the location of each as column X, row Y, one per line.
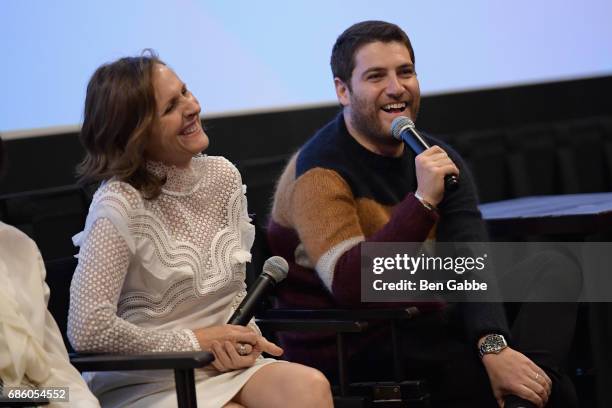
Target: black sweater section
column 388, row 180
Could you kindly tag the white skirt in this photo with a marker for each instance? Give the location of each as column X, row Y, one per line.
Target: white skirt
column 156, row 388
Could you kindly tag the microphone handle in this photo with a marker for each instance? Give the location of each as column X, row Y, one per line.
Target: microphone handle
column 244, row 313
column 418, row 145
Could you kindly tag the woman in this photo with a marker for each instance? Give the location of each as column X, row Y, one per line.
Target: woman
column 162, row 256
column 32, row 351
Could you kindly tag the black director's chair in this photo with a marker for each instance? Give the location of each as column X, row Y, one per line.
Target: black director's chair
column 59, row 275
column 345, row 322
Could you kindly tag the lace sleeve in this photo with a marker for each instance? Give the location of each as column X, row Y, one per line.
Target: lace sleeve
column 93, row 325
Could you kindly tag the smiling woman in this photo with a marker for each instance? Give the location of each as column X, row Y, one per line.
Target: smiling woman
column 179, row 134
column 119, row 116
column 162, row 257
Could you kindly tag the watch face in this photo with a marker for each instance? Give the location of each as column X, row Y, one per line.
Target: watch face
column 493, row 343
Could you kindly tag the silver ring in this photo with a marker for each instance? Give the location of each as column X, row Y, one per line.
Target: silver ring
column 242, row 350
column 537, row 376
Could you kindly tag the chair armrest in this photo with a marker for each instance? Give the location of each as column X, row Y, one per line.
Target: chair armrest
column 310, row 325
column 341, row 314
column 146, row 361
column 338, row 320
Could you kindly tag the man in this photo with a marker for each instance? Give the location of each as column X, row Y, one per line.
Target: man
column 352, row 183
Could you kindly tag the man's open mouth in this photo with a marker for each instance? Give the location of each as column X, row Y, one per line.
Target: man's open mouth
column 396, row 107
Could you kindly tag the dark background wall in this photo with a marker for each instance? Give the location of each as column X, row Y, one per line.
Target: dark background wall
column 497, row 131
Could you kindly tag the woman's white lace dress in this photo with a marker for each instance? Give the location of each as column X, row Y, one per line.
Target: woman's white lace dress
column 150, row 271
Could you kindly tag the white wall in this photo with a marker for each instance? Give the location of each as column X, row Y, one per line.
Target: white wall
column 264, row 54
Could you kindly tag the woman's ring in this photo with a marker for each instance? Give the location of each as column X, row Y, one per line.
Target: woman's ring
column 537, row 376
column 242, row 350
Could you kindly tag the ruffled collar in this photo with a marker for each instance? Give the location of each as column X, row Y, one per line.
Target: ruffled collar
column 180, row 181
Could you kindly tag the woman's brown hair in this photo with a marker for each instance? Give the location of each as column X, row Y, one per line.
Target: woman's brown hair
column 120, row 112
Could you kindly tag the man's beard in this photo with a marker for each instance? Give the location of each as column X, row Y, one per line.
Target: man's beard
column 366, row 121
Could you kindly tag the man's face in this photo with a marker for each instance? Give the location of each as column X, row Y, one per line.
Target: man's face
column 384, row 86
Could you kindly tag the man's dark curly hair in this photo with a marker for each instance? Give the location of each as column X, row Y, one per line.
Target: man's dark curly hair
column 356, row 36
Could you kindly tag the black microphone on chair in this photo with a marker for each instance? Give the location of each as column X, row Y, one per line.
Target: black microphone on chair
column 402, row 128
column 275, row 269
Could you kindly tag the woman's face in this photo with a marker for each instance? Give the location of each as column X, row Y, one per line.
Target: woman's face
column 177, row 134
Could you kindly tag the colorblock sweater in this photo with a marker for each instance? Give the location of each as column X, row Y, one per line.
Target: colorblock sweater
column 335, row 194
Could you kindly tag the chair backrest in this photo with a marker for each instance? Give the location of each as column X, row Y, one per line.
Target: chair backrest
column 59, row 276
column 565, row 157
column 260, row 176
column 50, row 217
column 485, row 153
column 583, row 157
column 532, row 160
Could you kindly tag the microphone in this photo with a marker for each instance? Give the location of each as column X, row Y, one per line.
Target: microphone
column 275, row 269
column 402, row 128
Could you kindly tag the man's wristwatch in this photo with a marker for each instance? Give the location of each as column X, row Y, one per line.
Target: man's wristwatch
column 492, row 344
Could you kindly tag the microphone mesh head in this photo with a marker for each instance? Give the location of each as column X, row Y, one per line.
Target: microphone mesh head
column 276, row 267
column 400, row 123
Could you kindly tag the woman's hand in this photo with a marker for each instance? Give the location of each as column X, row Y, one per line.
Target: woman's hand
column 265, row 346
column 227, row 332
column 234, row 347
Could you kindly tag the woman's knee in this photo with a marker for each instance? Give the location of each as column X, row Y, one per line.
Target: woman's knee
column 310, row 386
column 319, row 385
column 286, row 385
